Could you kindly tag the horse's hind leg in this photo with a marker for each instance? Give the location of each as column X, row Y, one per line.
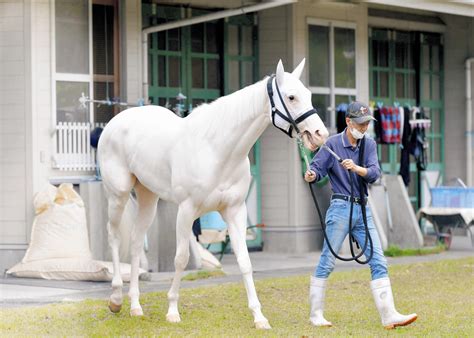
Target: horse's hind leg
column 146, row 212
column 184, row 222
column 236, row 219
column 116, row 206
column 118, row 192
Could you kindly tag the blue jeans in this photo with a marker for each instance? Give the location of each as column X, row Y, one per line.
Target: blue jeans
column 337, row 228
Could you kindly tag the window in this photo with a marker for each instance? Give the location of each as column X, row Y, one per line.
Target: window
column 392, row 66
column 83, row 65
column 105, row 59
column 332, row 74
column 184, row 60
column 241, row 52
column 72, row 60
column 202, row 61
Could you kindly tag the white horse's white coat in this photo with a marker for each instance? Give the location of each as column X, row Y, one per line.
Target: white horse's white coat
column 199, row 162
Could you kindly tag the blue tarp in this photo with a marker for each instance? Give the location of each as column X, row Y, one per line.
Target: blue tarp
column 213, row 220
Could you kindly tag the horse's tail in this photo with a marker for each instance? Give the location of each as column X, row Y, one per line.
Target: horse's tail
column 126, row 227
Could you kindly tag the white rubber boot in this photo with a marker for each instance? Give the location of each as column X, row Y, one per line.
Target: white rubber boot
column 382, row 292
column 317, row 289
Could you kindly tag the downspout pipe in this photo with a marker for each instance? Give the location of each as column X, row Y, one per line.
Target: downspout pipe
column 193, row 21
column 469, row 130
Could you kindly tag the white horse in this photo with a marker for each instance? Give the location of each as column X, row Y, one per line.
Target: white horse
column 200, row 163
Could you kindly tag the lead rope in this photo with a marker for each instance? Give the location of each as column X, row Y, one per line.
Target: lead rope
column 368, row 238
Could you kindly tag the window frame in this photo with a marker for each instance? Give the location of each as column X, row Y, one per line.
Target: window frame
column 90, row 77
column 71, row 77
column 116, row 48
column 332, row 90
column 241, row 59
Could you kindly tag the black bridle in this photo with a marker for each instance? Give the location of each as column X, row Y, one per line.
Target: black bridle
column 288, row 118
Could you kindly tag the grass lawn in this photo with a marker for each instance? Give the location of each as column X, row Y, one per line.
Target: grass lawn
column 395, row 251
column 442, row 293
column 203, row 274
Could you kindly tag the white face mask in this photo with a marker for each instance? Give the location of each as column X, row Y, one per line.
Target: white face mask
column 356, row 134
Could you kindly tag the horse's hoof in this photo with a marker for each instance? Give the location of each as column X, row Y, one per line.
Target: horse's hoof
column 136, row 312
column 115, row 308
column 263, row 325
column 173, row 318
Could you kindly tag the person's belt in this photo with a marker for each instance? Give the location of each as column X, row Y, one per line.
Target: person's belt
column 346, row 198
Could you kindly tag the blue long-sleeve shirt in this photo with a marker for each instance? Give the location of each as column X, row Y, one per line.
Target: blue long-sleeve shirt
column 324, row 163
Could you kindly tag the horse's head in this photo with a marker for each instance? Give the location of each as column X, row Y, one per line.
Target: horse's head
column 292, row 110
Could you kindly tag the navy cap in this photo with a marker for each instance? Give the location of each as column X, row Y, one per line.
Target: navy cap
column 359, row 112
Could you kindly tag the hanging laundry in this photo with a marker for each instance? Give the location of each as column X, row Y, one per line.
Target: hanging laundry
column 378, row 125
column 418, row 143
column 390, row 123
column 402, row 122
column 405, row 147
column 341, row 110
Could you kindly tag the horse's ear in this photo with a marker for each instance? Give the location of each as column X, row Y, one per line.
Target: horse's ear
column 299, row 69
column 280, row 73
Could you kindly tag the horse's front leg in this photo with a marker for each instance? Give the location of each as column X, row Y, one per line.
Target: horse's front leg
column 184, row 222
column 236, row 219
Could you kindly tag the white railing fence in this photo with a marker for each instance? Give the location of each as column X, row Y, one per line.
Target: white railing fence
column 73, row 147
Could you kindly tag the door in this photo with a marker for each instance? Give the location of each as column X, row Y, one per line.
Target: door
column 203, row 62
column 405, row 68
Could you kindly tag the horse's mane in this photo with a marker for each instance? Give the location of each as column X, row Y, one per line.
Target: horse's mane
column 229, row 111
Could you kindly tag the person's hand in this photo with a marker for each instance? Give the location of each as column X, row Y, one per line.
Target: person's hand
column 349, row 165
column 309, row 176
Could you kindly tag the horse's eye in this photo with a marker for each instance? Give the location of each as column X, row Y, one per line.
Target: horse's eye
column 291, row 97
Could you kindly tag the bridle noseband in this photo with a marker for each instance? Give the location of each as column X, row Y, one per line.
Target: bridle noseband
column 293, row 124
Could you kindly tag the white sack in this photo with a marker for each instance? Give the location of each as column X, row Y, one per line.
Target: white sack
column 59, row 246
column 59, row 228
column 70, row 269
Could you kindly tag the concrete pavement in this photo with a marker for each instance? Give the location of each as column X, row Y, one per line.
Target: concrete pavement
column 16, row 292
